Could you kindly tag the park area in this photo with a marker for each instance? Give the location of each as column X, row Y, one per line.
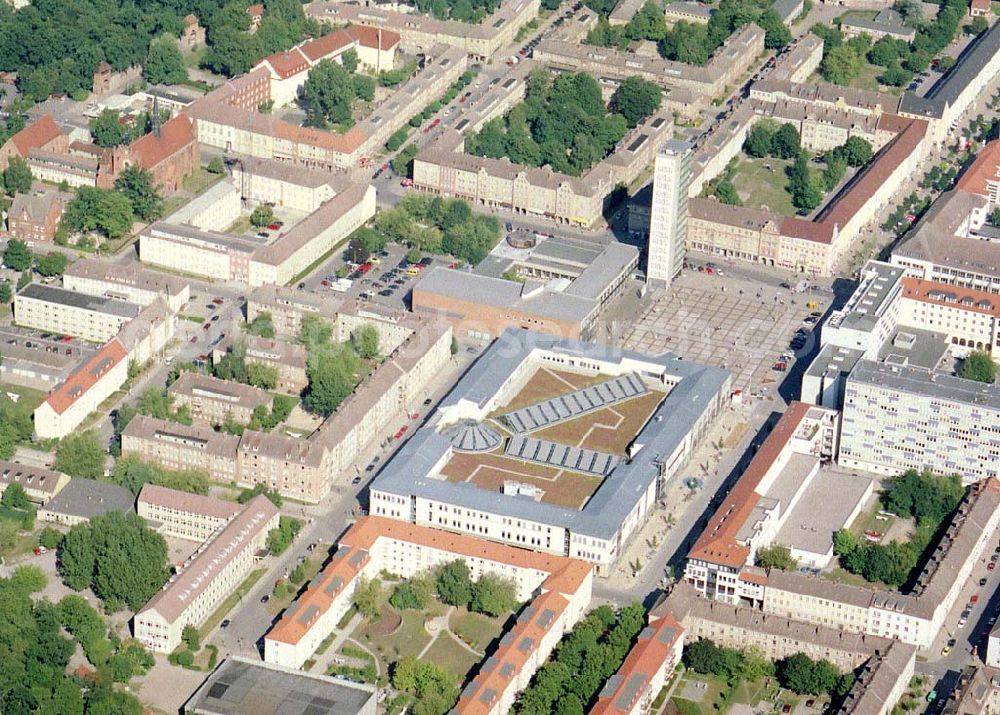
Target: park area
column 426, row 634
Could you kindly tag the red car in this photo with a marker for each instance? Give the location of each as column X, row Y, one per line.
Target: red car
column 991, row 565
column 406, row 182
column 325, row 283
column 401, row 432
column 975, row 599
column 364, row 267
column 206, row 325
column 194, row 339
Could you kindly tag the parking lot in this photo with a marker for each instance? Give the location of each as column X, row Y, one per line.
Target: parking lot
column 727, row 322
column 387, row 280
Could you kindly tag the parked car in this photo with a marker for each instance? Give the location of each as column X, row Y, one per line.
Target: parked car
column 265, row 598
column 225, row 623
column 356, row 481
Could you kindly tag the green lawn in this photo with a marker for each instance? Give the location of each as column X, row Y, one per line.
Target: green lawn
column 475, row 629
column 26, row 396
column 407, row 640
column 452, row 656
column 200, row 180
column 759, row 186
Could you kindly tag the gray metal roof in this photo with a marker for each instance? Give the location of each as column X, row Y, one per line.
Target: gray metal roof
column 407, row 473
column 240, row 686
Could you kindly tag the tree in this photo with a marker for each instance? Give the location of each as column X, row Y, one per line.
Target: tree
column 327, row 94
column 81, row 455
column 262, row 215
column 454, row 584
column 758, row 141
column 14, row 497
column 856, row 151
column 107, row 130
column 6, row 292
column 896, row 76
column 49, row 538
column 636, row 98
column 367, row 598
column 785, row 144
column 726, row 192
column 978, row 26
column 191, row 638
column 840, row 65
column 834, row 172
column 802, row 675
column 248, row 495
column 776, row 33
column 17, row 177
column 333, row 373
column 493, row 596
column 52, row 264
column 366, row 342
column 136, row 184
column 263, row 376
column 127, row 560
column 17, row 256
column 979, row 366
column 350, row 60
column 216, row 166
column 262, row 325
column 415, row 594
column 776, row 556
column 99, row 209
column 164, row 62
column 357, row 250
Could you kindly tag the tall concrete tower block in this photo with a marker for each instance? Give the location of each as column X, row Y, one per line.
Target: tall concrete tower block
column 668, row 213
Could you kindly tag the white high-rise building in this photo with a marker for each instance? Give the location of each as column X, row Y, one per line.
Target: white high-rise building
column 669, row 213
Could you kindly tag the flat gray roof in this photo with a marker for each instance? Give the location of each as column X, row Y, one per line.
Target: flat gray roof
column 73, row 299
column 407, row 474
column 879, row 282
column 824, row 507
column 918, row 381
column 914, row 347
column 240, row 687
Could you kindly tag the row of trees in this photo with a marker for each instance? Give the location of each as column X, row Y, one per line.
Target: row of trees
column 798, row 672
column 36, row 654
column 584, row 659
column 282, row 536
column 563, row 122
column 435, row 225
column 923, row 496
column 18, row 257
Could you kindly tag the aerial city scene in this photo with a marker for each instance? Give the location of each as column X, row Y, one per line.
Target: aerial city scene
column 489, row 357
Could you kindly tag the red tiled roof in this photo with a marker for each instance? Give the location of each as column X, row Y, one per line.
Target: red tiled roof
column 566, row 574
column 807, row 230
column 981, row 5
column 256, row 10
column 985, row 168
column 176, row 134
column 717, row 543
column 516, row 648
column 646, row 657
column 370, row 36
column 974, row 301
column 344, row 143
column 289, row 63
column 36, row 135
column 86, row 376
column 323, row 47
column 910, row 133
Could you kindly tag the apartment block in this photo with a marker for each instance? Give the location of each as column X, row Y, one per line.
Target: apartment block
column 212, row 401
column 177, row 446
column 647, row 668
column 34, row 217
column 90, row 384
column 66, row 312
column 289, row 359
column 128, row 281
column 419, row 33
column 183, row 515
column 206, row 578
column 559, row 589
